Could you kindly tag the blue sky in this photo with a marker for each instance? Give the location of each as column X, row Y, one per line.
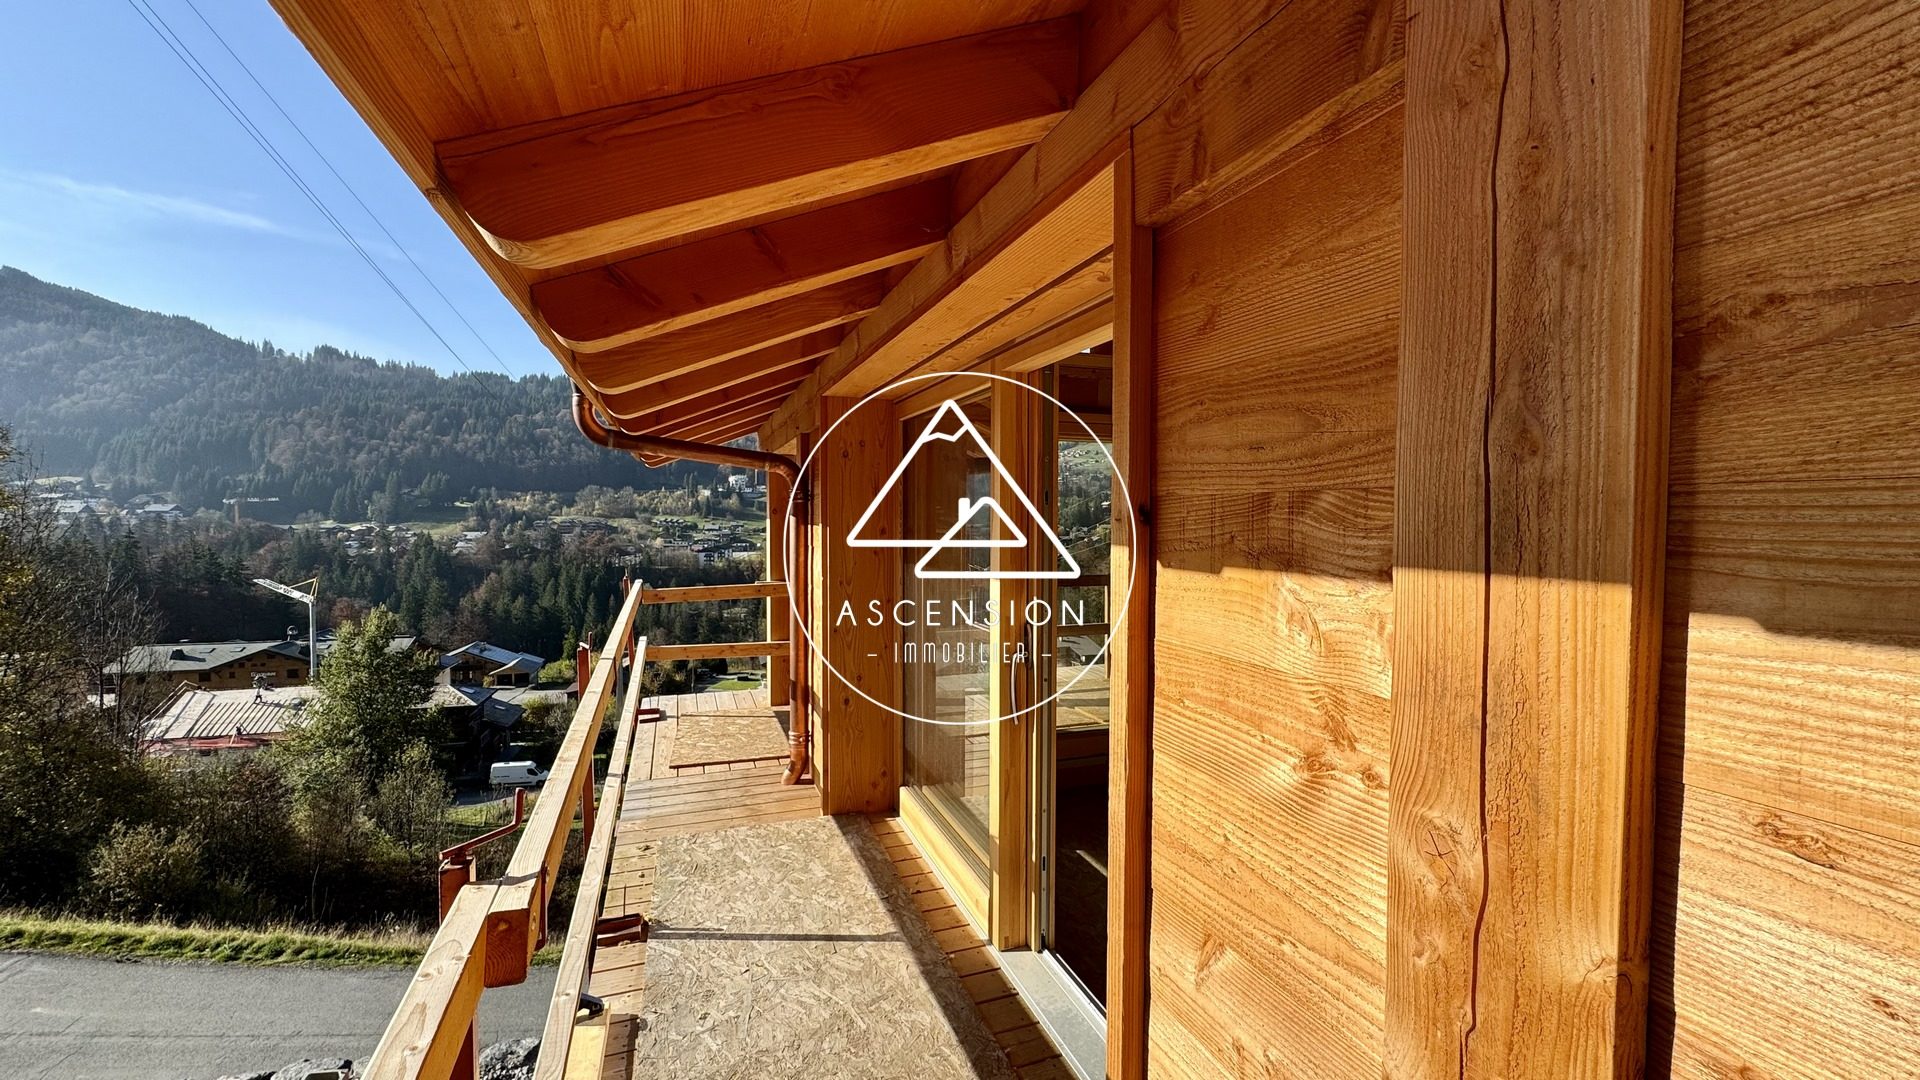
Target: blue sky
column 121, row 175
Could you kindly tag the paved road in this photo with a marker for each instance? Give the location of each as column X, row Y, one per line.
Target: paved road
column 75, row 1018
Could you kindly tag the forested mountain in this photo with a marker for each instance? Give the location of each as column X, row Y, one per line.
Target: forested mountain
column 147, row 402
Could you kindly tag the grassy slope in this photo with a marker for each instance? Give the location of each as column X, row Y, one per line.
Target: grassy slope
column 88, row 937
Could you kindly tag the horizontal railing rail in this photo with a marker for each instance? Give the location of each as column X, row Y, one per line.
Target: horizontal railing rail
column 777, row 648
column 570, row 1046
column 491, row 929
column 518, row 925
column 717, row 650
column 430, row 1033
column 753, row 590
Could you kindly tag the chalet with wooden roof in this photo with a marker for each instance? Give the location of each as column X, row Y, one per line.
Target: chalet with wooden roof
column 1508, row 604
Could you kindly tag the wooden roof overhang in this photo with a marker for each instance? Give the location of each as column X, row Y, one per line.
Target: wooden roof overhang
column 714, row 214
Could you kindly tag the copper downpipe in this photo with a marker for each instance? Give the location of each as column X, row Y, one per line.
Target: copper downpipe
column 598, row 433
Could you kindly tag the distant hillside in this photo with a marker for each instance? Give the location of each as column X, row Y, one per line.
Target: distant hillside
column 150, row 402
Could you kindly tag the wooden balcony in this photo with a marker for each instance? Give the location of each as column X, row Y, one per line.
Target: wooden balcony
column 724, row 925
column 778, row 936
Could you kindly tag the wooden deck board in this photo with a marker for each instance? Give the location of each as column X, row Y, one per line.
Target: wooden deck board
column 664, row 802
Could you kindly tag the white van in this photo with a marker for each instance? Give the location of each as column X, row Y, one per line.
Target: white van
column 516, row 774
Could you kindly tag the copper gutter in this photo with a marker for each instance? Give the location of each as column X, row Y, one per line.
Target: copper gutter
column 598, row 433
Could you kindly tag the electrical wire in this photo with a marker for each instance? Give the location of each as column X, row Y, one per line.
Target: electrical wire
column 181, row 51
column 371, row 216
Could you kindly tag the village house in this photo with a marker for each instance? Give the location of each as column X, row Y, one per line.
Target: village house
column 226, row 665
column 484, row 664
column 200, row 722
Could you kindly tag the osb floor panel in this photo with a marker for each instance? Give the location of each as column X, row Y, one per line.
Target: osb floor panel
column 654, row 755
column 719, row 824
column 778, row 948
column 724, row 738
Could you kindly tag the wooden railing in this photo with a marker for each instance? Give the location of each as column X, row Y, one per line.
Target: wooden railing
column 720, row 650
column 569, row 1045
column 491, row 929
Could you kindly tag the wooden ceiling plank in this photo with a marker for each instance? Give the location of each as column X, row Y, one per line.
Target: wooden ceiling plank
column 1171, row 54
column 1069, row 337
column 556, row 192
column 1088, row 285
column 800, row 352
column 705, row 412
column 720, row 435
column 706, row 344
column 649, row 295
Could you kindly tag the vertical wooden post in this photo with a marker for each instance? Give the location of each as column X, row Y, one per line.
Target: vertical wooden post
column 1013, row 433
column 858, row 742
column 779, row 670
column 1529, row 523
column 1130, row 647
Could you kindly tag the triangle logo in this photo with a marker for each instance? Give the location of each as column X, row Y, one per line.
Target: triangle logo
column 950, row 425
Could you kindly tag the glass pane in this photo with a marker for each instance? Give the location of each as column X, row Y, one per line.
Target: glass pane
column 944, row 670
column 1078, row 928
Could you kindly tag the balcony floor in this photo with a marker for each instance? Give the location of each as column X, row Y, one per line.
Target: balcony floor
column 786, row 943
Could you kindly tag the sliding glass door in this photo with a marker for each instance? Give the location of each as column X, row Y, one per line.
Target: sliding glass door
column 945, row 765
column 1072, row 735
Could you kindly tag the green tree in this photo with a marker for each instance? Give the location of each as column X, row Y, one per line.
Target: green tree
column 410, row 803
column 373, row 699
column 69, row 770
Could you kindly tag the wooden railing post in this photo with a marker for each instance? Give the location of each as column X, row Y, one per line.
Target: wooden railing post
column 779, row 668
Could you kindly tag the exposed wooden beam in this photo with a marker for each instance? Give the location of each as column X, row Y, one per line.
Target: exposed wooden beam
column 939, row 303
column 787, row 355
column 648, row 295
column 1059, row 341
column 726, row 404
column 705, row 344
column 1280, row 89
column 1086, row 285
column 719, row 434
column 858, row 755
column 1174, row 52
column 568, row 190
column 1528, row 535
column 1015, row 435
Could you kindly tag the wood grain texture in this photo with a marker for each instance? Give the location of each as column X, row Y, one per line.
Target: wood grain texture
column 1181, row 41
column 702, row 345
column 635, row 174
column 1083, row 288
column 1537, row 342
column 641, row 297
column 1791, row 687
column 1015, row 433
column 1788, row 945
column 1286, row 83
column 430, row 1028
column 788, row 355
column 1130, row 641
column 1275, row 331
column 859, row 742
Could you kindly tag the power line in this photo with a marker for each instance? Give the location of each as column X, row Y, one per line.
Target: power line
column 206, row 78
column 375, row 218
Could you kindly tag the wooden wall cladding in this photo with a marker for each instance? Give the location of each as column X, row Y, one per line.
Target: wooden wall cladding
column 1276, row 323
column 858, row 741
column 1784, row 936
